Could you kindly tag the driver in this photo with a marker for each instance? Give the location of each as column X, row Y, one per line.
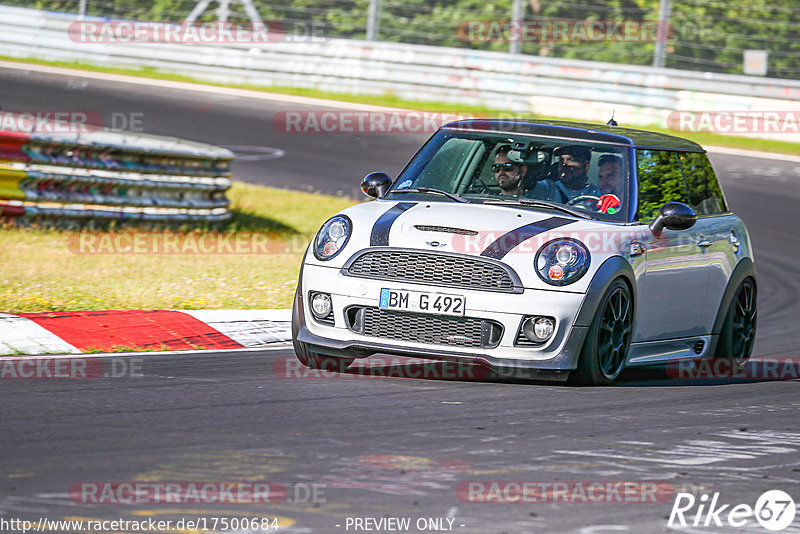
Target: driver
column 509, row 171
column 570, row 182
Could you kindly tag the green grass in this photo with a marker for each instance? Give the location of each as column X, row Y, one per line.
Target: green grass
column 47, row 269
column 131, row 348
column 390, row 100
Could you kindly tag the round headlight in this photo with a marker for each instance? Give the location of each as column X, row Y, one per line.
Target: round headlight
column 562, row 261
column 332, row 237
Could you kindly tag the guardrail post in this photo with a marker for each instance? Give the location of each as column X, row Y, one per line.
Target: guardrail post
column 517, row 12
column 660, row 52
column 372, row 19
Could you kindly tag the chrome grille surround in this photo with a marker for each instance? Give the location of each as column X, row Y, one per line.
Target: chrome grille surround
column 445, row 269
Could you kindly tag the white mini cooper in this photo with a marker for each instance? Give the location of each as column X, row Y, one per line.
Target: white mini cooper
column 559, row 249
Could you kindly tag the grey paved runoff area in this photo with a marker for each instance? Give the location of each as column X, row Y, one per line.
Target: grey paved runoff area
column 396, row 448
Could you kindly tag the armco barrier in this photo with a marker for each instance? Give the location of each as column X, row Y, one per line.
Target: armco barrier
column 112, row 175
column 583, row 90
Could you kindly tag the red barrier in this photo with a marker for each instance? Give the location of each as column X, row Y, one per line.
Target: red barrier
column 11, row 211
column 11, row 144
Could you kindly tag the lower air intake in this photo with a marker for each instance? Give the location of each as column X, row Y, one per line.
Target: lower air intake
column 422, row 328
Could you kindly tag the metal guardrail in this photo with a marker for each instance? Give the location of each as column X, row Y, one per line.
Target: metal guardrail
column 584, row 90
column 106, row 174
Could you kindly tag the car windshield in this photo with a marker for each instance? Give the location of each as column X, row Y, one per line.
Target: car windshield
column 589, row 179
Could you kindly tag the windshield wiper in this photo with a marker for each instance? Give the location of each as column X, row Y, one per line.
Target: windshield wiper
column 538, row 204
column 451, row 196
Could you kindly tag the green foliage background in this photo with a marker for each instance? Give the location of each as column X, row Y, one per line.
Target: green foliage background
column 660, row 181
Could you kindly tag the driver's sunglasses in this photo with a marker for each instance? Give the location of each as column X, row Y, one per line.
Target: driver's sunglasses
column 497, row 167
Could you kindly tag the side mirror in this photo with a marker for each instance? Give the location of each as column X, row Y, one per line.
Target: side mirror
column 376, row 184
column 673, row 216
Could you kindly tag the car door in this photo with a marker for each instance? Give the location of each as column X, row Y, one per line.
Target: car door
column 672, row 293
column 718, row 231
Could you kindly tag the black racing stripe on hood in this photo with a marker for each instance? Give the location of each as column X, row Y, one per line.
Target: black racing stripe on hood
column 509, row 240
column 380, row 230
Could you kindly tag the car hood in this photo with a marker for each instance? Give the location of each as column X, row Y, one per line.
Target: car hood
column 473, row 229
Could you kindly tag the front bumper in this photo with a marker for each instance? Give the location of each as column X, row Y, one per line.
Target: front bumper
column 552, row 360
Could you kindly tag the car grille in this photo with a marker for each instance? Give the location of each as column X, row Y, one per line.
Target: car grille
column 422, row 328
column 434, row 269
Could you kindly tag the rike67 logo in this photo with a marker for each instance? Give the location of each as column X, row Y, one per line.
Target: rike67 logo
column 774, row 510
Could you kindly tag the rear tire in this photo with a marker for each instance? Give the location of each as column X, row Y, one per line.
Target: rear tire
column 608, row 339
column 739, row 329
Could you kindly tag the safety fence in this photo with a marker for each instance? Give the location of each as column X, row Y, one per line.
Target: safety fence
column 115, row 175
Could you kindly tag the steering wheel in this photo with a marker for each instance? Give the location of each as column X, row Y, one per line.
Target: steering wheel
column 584, row 198
column 480, row 187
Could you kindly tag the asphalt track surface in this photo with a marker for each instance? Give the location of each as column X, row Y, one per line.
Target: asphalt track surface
column 387, row 446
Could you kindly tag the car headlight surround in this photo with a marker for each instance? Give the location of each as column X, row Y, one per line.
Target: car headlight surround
column 332, row 237
column 562, row 261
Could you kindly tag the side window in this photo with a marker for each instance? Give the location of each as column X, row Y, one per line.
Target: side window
column 660, row 181
column 705, row 196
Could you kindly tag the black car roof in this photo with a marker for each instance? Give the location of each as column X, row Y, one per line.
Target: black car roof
column 583, row 131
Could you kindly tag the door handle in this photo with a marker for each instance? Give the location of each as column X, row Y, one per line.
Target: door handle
column 637, row 248
column 704, row 243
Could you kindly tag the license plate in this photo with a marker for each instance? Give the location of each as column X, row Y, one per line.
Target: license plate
column 422, row 302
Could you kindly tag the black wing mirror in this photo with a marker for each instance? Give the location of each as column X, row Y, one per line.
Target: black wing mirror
column 673, row 216
column 376, row 184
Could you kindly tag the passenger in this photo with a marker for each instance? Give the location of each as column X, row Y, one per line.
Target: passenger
column 611, row 182
column 571, row 178
column 609, row 174
column 509, row 173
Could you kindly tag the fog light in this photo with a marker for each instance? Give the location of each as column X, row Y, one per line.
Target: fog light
column 321, row 305
column 538, row 329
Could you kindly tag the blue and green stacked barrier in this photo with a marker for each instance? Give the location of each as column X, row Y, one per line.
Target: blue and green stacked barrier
column 107, row 174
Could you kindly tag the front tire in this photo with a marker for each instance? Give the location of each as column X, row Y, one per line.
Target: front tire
column 608, row 339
